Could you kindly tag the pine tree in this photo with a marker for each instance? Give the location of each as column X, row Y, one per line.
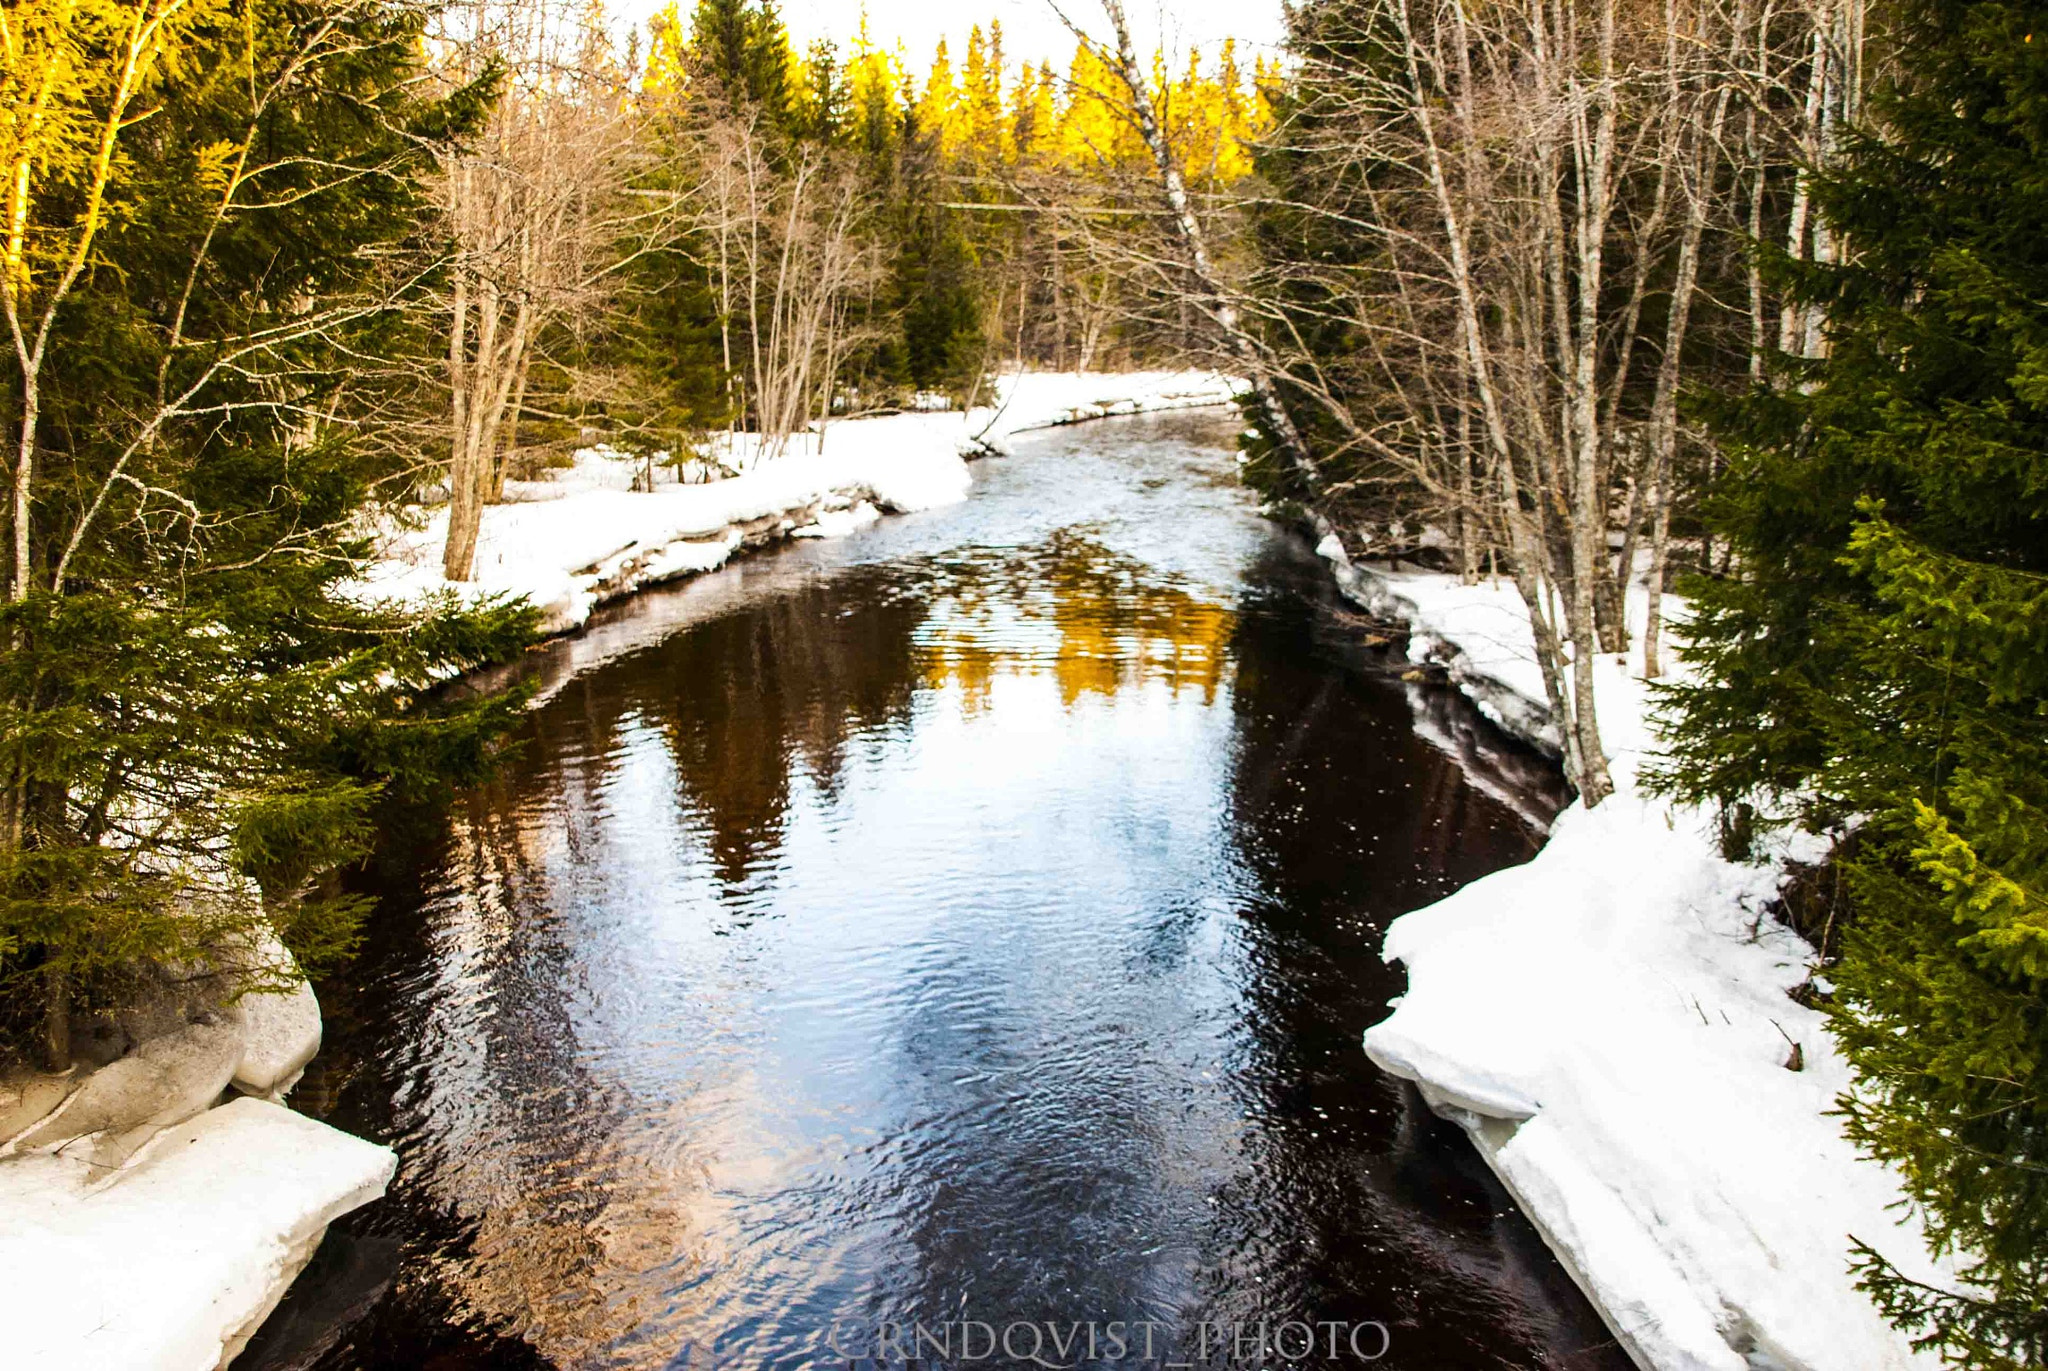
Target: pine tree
column 981, row 139
column 1034, row 116
column 740, row 48
column 1883, row 649
column 194, row 719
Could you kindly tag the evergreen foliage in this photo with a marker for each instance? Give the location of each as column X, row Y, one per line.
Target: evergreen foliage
column 1882, row 651
column 741, row 49
column 935, row 280
column 194, row 722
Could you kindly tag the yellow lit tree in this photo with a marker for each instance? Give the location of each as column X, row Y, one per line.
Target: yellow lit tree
column 77, row 75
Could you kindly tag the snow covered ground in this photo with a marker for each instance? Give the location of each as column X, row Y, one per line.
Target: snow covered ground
column 585, row 536
column 174, row 1262
column 1611, row 1024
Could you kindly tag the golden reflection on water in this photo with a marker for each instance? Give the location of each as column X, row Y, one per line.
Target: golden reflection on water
column 1095, row 622
column 576, row 1237
column 581, row 1241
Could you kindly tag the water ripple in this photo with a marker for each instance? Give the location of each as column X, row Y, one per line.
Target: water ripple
column 975, row 917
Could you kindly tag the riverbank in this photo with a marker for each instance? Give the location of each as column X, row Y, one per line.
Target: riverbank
column 147, row 1226
column 158, row 1198
column 1612, row 1025
column 585, row 536
column 175, row 1262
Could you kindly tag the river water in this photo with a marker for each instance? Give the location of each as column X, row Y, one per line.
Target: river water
column 970, row 920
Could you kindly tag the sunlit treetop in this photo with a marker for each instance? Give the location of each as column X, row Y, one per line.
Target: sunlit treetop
column 979, row 110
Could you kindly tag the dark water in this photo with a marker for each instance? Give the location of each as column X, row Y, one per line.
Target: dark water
column 974, row 919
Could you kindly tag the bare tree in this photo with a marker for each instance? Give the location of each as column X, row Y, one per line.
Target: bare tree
column 1544, row 200
column 791, row 255
column 541, row 220
column 1215, row 298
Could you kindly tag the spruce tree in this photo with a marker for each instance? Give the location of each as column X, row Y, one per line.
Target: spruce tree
column 936, row 273
column 195, row 717
column 742, row 50
column 1881, row 651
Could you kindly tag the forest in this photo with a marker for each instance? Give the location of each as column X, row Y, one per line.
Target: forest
column 1746, row 299
column 274, row 270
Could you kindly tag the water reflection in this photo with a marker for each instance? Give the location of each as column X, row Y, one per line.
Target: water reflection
column 974, row 918
column 1093, row 620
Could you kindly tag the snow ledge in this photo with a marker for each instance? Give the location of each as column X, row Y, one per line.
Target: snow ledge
column 1611, row 1025
column 173, row 1264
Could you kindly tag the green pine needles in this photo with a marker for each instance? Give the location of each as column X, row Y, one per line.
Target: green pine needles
column 195, row 720
column 1880, row 654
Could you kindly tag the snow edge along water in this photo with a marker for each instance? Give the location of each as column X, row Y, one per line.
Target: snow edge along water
column 584, row 538
column 192, row 1244
column 1611, row 1024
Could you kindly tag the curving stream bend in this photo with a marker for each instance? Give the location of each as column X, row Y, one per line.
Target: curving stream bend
column 971, row 919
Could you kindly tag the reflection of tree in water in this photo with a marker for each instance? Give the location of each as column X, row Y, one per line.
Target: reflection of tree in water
column 578, row 1197
column 1385, row 1216
column 746, row 699
column 1095, row 621
column 470, row 986
column 544, row 1199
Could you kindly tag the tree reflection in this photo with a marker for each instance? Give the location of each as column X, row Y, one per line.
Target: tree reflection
column 1094, row 621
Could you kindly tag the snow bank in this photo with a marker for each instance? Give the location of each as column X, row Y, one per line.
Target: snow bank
column 1041, row 400
column 574, row 543
column 174, row 1263
column 1611, row 1024
column 1478, row 634
column 586, row 537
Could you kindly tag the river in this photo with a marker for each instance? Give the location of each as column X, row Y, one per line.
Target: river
column 971, row 920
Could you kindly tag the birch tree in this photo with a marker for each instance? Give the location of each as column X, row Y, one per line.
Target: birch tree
column 1216, row 299
column 78, row 74
column 791, row 253
column 541, row 221
column 1500, row 230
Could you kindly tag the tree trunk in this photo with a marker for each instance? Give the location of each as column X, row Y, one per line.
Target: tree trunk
column 1213, row 297
column 1587, row 503
column 1660, row 552
column 24, row 477
column 53, row 1042
column 1664, row 408
column 507, row 450
column 1792, row 318
column 1468, row 549
column 1611, row 606
column 465, row 514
